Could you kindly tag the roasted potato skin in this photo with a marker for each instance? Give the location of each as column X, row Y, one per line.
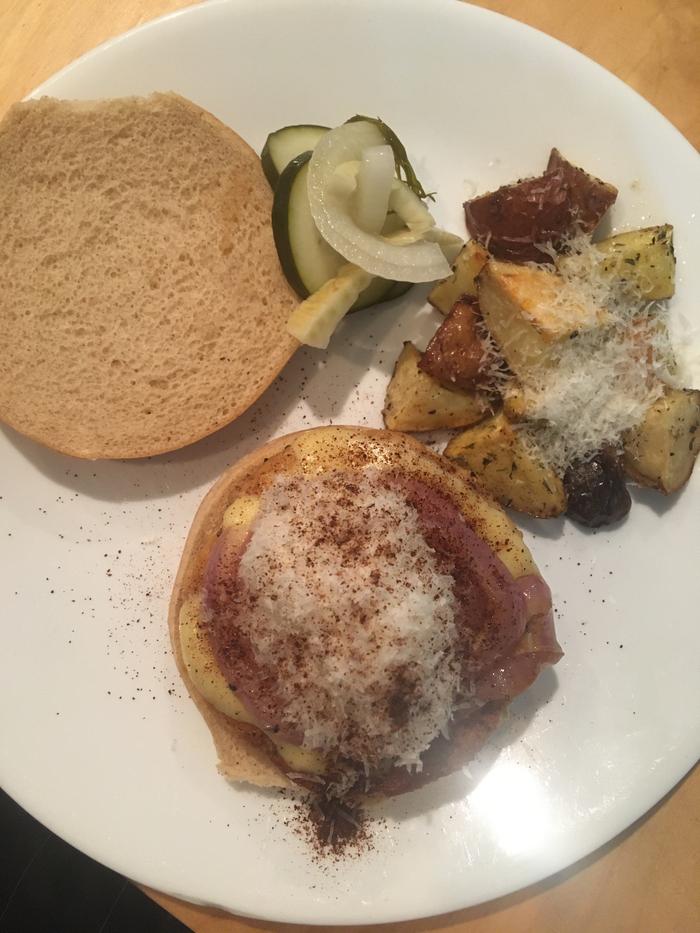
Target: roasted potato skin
column 468, row 264
column 505, row 468
column 643, row 259
column 415, row 401
column 456, row 356
column 661, row 451
column 564, row 201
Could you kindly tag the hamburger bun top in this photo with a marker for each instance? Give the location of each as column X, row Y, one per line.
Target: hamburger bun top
column 142, row 305
column 244, row 752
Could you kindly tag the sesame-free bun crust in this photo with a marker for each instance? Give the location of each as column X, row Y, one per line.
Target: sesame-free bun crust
column 142, row 304
column 243, row 751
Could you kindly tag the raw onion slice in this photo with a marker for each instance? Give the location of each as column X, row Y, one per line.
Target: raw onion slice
column 331, row 210
column 410, row 208
column 376, row 196
column 449, row 243
column 374, row 183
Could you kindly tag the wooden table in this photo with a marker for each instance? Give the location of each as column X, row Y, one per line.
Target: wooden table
column 647, row 880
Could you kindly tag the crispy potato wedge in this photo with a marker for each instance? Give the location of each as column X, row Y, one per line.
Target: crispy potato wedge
column 468, row 264
column 512, row 221
column 661, row 451
column 644, row 259
column 456, row 356
column 506, row 469
column 417, row 402
column 528, row 310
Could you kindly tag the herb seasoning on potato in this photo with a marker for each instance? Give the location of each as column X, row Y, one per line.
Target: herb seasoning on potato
column 567, row 341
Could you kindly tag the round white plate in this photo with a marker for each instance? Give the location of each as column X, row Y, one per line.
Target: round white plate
column 99, row 740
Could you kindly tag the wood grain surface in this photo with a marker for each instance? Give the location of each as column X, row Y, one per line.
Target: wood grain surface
column 647, row 880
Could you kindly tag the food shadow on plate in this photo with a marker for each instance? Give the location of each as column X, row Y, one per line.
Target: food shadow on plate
column 457, row 787
column 368, row 341
column 552, row 528
column 655, row 500
column 652, row 499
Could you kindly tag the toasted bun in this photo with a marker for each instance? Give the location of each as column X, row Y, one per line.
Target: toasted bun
column 243, row 751
column 142, row 305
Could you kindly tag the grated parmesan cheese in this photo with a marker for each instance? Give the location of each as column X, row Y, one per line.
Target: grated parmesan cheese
column 601, row 381
column 352, row 613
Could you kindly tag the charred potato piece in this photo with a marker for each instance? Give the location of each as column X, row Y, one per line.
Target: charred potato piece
column 506, row 468
column 456, row 356
column 417, row 402
column 661, row 451
column 595, row 491
column 468, row 264
column 528, row 310
column 644, row 259
column 512, row 221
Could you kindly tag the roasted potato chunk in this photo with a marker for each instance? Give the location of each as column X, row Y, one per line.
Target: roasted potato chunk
column 644, row 259
column 661, row 451
column 456, row 356
column 516, row 220
column 468, row 264
column 528, row 310
column 505, row 468
column 417, row 402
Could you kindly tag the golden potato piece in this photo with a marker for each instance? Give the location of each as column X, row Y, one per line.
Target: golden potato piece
column 455, row 356
column 468, row 264
column 417, row 402
column 506, row 468
column 644, row 259
column 528, row 310
column 661, row 451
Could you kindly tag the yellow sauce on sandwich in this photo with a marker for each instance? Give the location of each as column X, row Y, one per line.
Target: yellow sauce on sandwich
column 204, row 671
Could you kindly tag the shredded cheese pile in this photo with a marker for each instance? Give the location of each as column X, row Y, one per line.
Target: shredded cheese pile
column 599, row 389
column 604, row 378
column 351, row 612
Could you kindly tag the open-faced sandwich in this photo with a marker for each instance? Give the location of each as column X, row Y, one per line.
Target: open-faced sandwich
column 352, row 616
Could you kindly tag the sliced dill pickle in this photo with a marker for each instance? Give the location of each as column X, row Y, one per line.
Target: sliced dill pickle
column 286, row 144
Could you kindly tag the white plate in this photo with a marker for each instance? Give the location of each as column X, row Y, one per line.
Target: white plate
column 98, row 739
